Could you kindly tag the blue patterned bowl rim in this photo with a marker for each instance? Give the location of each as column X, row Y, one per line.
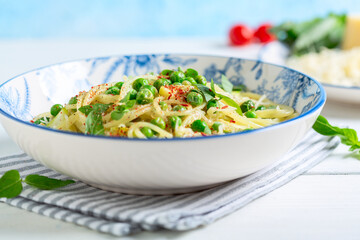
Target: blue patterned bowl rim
column 320, row 103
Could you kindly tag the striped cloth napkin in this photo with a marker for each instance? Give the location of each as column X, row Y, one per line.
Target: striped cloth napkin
column 121, row 214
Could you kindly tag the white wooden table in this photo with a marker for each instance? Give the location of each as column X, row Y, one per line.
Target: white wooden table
column 324, row 203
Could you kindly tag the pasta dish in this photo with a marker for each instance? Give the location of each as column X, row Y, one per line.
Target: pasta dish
column 173, row 103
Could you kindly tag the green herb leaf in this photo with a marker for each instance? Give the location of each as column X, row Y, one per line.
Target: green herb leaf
column 130, row 104
column 230, row 102
column 10, row 184
column 94, row 124
column 312, row 35
column 226, row 84
column 46, row 183
column 347, row 136
column 323, row 127
column 213, row 86
column 240, row 88
column 96, row 107
column 207, row 92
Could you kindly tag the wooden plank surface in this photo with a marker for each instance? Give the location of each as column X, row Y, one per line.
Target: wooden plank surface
column 324, row 203
column 309, row 207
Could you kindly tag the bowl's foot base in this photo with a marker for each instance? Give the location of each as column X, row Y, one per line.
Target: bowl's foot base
column 135, row 191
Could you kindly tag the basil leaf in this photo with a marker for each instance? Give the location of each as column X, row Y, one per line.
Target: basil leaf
column 213, row 86
column 94, row 124
column 323, row 127
column 226, row 84
column 347, row 136
column 240, row 88
column 10, row 184
column 230, row 102
column 95, row 107
column 207, row 92
column 46, row 183
column 130, row 104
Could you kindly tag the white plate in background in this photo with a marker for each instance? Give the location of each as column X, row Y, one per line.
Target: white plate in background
column 276, row 53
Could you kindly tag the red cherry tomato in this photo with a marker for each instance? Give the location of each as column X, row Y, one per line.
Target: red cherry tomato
column 240, row 35
column 263, row 33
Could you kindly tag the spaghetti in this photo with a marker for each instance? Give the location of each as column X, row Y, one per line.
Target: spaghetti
column 174, row 103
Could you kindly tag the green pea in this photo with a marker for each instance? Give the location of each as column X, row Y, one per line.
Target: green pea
column 128, row 105
column 144, row 96
column 166, row 72
column 216, row 126
column 138, row 83
column 159, row 122
column 55, row 109
column 200, row 126
column 191, row 73
column 113, row 90
column 163, row 105
column 213, row 103
column 175, row 121
column 161, row 82
column 118, row 114
column 186, row 83
column 177, row 76
column 194, row 98
column 247, row 105
column 119, row 85
column 177, row 84
column 148, row 132
column 73, row 100
column 151, row 88
column 190, row 79
column 200, row 79
column 42, row 120
column 131, row 95
column 261, row 107
column 250, row 114
column 179, row 108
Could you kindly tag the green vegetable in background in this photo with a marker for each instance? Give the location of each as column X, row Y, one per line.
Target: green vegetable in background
column 11, row 183
column 312, row 35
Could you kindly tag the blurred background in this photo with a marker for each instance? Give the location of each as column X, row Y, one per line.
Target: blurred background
column 34, row 33
column 42, row 19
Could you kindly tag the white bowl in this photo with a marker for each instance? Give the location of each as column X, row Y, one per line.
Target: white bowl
column 155, row 166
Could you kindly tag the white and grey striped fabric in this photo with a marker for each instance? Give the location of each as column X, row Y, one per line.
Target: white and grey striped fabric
column 121, row 214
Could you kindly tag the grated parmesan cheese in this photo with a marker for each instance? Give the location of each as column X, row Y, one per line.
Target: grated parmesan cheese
column 338, row 67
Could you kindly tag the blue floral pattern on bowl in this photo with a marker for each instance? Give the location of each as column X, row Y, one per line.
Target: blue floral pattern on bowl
column 34, row 92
